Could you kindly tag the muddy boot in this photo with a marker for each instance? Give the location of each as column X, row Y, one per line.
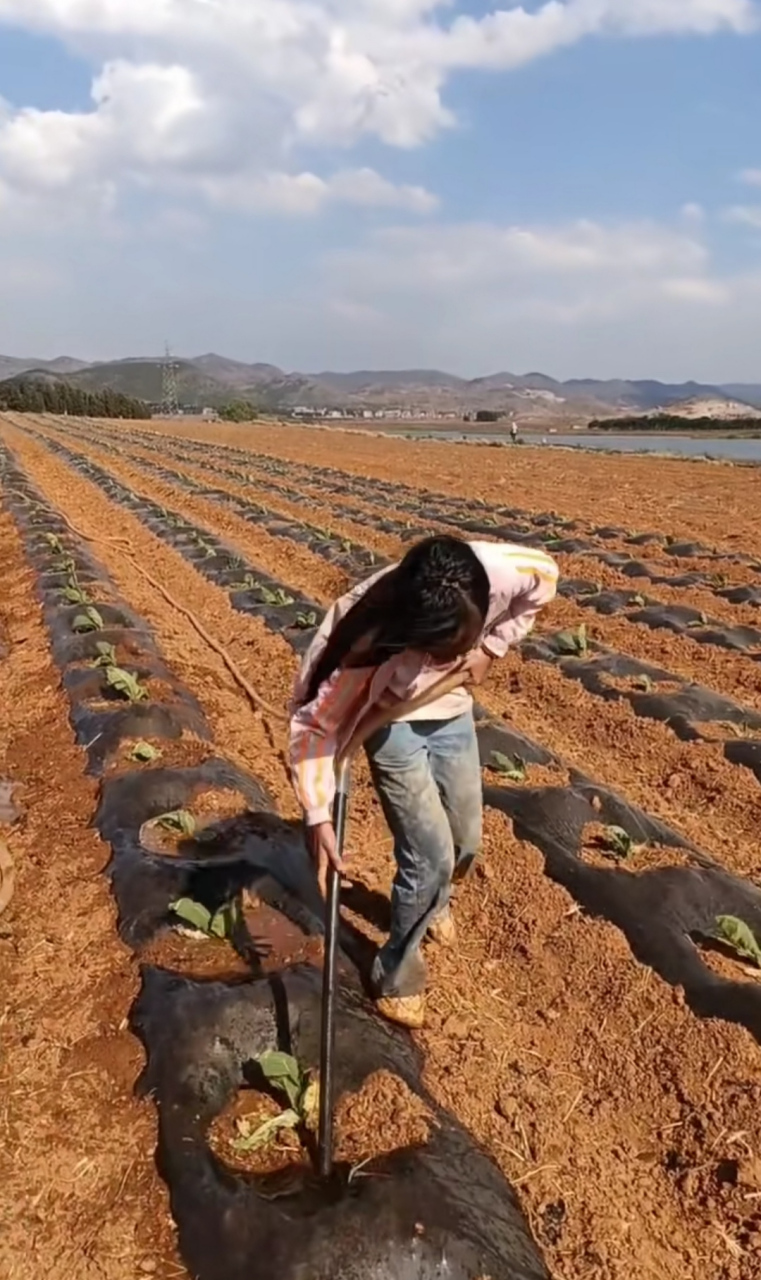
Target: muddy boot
column 443, row 929
column 406, row 1011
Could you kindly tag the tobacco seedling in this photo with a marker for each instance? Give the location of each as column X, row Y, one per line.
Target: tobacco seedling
column 738, row 935
column 643, row 684
column 306, row 620
column 221, row 923
column 638, row 600
column 279, row 598
column 106, row 655
column 573, row 642
column 284, row 1074
column 124, row 683
column 144, row 753
column 512, row 769
column 700, row 621
column 74, row 594
column 248, row 583
column 619, row 844
column 90, row 620
column 178, row 820
column 54, row 543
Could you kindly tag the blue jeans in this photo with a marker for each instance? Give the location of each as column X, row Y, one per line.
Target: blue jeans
column 428, row 777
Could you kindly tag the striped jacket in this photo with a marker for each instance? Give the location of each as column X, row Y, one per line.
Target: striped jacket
column 522, row 579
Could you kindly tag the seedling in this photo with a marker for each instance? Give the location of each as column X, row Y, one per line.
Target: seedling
column 306, row 620
column 106, row 655
column 643, row 684
column 738, row 935
column 247, row 583
column 74, row 594
column 178, row 820
column 221, row 923
column 65, row 564
column 700, row 621
column 144, row 753
column 638, row 600
column 279, row 598
column 285, row 1075
column 619, row 844
column 512, row 769
column 573, row 642
column 347, row 546
column 54, row 543
column 125, row 684
column 90, row 620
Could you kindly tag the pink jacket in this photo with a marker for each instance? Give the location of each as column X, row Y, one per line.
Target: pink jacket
column 522, row 579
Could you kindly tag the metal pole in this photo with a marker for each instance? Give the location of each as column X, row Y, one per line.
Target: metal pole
column 328, row 1027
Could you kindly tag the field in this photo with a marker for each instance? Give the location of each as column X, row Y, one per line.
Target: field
column 592, row 1040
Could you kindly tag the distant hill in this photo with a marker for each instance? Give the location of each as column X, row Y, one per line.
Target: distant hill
column 214, row 379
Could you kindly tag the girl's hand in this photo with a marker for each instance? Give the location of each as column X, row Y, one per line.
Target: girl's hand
column 321, row 841
column 477, row 665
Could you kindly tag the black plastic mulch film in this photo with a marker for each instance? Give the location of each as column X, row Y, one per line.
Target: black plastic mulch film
column 201, row 1037
column 651, row 691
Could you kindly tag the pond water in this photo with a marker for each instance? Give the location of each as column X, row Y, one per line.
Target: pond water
column 741, row 450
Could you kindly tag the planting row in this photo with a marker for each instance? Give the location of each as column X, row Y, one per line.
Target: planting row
column 661, row 909
column 692, row 711
column 632, row 605
column 468, row 514
column 206, row 1041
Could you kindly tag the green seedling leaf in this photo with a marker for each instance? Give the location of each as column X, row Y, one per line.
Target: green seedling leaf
column 106, row 655
column 619, row 844
column 54, row 543
column 192, row 913
column 247, row 583
column 124, row 683
column 279, row 598
column 740, row 937
column 74, row 594
column 90, row 620
column 180, row 820
column 700, row 621
column 144, row 753
column 265, row 1132
column 638, row 600
column 643, row 684
column 306, row 620
column 573, row 642
column 513, row 770
column 282, row 1071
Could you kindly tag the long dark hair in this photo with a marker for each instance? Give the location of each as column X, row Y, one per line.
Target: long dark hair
column 438, row 592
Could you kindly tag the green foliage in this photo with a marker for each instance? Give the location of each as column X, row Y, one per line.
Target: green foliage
column 35, row 393
column 179, row 820
column 305, row 621
column 144, row 753
column 513, row 770
column 575, row 642
column 618, row 844
column 672, row 422
column 90, row 620
column 238, row 411
column 73, row 593
column 125, row 684
column 54, row 543
column 284, row 1074
column 218, row 924
column 740, row 937
column 106, row 655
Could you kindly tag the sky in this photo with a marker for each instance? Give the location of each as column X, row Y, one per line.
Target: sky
column 570, row 186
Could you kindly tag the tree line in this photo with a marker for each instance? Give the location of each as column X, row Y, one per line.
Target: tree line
column 33, row 395
column 674, row 422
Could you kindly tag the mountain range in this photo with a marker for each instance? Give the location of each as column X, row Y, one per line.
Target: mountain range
column 213, row 380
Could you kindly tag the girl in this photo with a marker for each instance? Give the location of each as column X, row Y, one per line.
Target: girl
column 448, row 604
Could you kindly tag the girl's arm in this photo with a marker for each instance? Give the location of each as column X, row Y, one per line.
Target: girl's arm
column 528, row 580
column 315, row 732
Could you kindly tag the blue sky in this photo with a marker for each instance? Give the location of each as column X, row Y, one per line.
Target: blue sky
column 573, row 186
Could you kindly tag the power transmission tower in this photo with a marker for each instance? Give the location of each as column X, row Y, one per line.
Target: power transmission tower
column 170, row 400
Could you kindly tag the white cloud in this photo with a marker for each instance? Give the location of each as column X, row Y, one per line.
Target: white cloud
column 223, row 97
column 744, row 215
column 751, row 177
